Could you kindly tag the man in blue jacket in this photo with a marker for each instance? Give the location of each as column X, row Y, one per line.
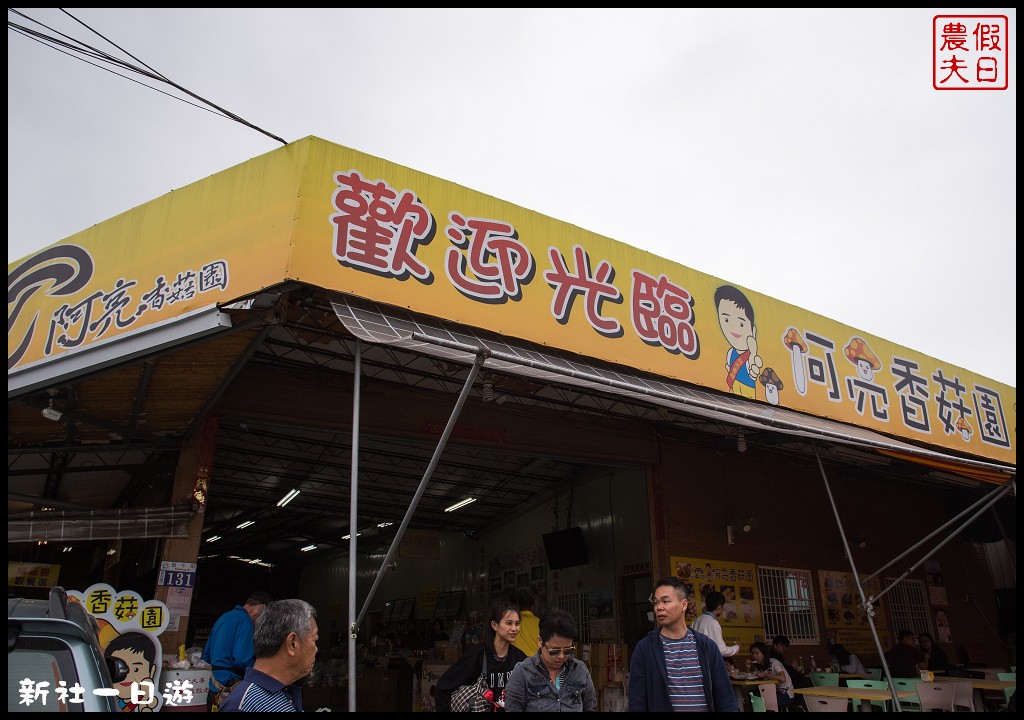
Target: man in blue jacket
column 675, row 669
column 230, row 649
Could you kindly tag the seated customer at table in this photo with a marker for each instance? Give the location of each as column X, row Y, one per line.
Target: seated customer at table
column 904, row 659
column 847, row 661
column 768, row 668
column 780, row 644
column 934, row 657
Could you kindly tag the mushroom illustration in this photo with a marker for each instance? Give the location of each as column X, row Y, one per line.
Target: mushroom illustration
column 860, row 355
column 772, row 385
column 796, row 346
column 964, row 427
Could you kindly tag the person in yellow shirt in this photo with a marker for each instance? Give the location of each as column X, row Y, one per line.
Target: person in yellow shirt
column 528, row 639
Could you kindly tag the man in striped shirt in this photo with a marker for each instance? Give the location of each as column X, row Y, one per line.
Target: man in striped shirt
column 674, row 668
column 285, row 643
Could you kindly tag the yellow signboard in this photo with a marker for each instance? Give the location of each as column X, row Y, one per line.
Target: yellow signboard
column 32, row 575
column 741, row 616
column 842, row 604
column 332, row 217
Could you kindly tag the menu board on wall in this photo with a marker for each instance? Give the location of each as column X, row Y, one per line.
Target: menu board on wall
column 741, row 619
column 839, row 598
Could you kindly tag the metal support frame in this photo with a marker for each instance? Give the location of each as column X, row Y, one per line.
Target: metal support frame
column 868, row 603
column 354, row 620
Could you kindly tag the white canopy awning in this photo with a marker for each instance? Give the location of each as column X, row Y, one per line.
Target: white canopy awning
column 376, row 323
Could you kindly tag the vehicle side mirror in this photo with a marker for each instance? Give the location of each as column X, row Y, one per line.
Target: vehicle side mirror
column 118, row 669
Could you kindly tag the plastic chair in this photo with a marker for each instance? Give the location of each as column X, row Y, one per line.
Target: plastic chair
column 757, row 703
column 767, row 693
column 963, row 695
column 1007, row 692
column 875, row 673
column 825, row 679
column 825, row 704
column 912, row 703
column 936, row 696
column 873, row 684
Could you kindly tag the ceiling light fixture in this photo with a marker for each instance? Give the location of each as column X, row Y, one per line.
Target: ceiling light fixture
column 52, row 413
column 244, row 525
column 289, row 496
column 460, row 504
column 308, row 548
column 349, row 536
column 213, row 538
column 384, row 524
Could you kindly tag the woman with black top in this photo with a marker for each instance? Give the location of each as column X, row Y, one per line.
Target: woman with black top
column 934, row 656
column 502, row 656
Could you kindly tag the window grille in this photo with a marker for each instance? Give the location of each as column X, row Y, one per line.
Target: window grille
column 787, row 605
column 577, row 605
column 908, row 607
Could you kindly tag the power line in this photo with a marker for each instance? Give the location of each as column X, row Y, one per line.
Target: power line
column 81, row 50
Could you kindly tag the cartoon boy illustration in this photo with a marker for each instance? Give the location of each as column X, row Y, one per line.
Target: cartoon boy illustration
column 139, row 651
column 736, row 319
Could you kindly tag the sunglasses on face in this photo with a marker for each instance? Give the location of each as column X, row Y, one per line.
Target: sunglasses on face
column 555, row 652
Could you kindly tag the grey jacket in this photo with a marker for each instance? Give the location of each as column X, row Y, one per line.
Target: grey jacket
column 529, row 688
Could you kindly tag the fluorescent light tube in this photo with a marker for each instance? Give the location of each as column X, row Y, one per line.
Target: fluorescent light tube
column 460, row 503
column 289, row 497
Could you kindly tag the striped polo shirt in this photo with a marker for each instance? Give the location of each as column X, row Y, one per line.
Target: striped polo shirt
column 685, row 680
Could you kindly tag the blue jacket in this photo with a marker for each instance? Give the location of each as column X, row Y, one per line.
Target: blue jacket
column 648, row 676
column 229, row 649
column 529, row 688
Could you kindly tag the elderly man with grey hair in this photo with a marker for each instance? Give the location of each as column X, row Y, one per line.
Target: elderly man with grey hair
column 285, row 643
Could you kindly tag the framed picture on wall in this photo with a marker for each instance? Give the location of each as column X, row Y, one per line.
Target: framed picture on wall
column 407, row 607
column 389, row 609
column 522, row 580
column 495, row 584
column 537, row 573
column 396, row 612
column 441, row 609
column 455, row 605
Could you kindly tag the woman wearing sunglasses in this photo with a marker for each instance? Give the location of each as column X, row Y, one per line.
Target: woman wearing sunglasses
column 553, row 680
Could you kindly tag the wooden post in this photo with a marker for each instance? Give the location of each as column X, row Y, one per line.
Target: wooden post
column 191, row 486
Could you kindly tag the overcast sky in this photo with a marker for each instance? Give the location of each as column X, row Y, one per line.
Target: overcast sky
column 803, row 154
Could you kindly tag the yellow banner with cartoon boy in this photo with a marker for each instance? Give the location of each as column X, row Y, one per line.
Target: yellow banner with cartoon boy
column 332, row 217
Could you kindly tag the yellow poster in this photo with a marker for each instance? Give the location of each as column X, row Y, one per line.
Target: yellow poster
column 741, row 618
column 841, row 604
column 32, row 575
